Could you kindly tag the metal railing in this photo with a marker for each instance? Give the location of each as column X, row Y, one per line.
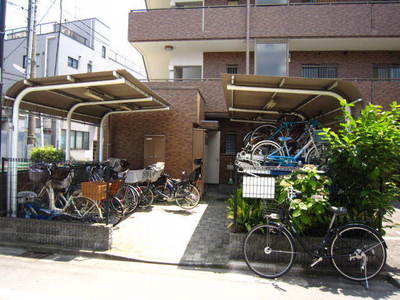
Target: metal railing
column 290, row 2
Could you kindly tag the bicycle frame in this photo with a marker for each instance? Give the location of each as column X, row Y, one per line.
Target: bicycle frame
column 288, row 159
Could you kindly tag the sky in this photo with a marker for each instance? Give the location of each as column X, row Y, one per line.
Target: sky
column 113, row 13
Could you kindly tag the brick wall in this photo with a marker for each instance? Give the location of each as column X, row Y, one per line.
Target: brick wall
column 350, row 64
column 128, row 130
column 324, row 20
column 214, row 63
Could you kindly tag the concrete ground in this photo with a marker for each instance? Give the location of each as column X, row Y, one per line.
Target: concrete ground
column 26, row 275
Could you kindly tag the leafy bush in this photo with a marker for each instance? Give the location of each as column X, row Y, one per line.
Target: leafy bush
column 309, row 206
column 250, row 212
column 363, row 163
column 47, row 154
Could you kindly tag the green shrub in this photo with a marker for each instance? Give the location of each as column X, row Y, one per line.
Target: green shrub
column 308, row 209
column 47, row 154
column 250, row 212
column 363, row 162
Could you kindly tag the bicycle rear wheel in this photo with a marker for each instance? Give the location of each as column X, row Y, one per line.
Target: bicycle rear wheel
column 188, row 197
column 358, row 252
column 269, row 250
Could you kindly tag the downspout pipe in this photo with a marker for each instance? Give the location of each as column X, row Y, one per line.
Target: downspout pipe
column 12, row 174
column 103, row 121
column 76, row 106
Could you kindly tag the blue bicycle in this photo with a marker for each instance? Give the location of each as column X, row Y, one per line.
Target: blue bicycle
column 269, row 152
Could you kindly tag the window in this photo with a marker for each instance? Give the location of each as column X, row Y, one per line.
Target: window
column 89, row 67
column 230, row 143
column 319, row 71
column 266, row 2
column 79, row 140
column 103, row 51
column 24, row 61
column 188, row 4
column 233, row 3
column 232, row 69
column 387, row 72
column 73, row 63
column 271, row 58
column 187, row 72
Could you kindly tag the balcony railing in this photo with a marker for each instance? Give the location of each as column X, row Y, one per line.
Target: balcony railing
column 295, row 19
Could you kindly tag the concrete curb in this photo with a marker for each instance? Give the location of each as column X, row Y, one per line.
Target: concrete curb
column 232, row 265
column 394, row 279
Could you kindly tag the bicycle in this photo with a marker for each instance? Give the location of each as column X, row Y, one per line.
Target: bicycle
column 357, row 251
column 269, row 152
column 185, row 194
column 63, row 197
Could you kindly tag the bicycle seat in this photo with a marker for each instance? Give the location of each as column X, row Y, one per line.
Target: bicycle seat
column 338, row 210
column 284, row 138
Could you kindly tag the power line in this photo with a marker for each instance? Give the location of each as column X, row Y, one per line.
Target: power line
column 48, row 10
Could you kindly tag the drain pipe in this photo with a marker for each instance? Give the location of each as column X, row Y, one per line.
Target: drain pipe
column 248, row 38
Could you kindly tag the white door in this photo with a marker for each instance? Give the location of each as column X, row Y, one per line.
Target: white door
column 212, row 162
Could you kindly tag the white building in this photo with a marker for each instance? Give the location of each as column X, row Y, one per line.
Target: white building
column 80, row 46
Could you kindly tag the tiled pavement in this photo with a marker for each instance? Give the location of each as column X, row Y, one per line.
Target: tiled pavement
column 209, row 243
column 166, row 233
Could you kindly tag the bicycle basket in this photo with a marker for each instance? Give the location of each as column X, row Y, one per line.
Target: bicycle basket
column 152, row 175
column 60, row 173
column 38, row 174
column 134, row 176
column 275, row 210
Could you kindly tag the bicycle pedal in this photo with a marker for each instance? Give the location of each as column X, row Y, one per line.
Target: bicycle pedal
column 315, row 262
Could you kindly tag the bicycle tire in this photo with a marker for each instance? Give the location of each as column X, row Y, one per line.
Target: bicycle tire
column 351, row 244
column 129, row 197
column 84, row 208
column 263, row 132
column 188, row 197
column 262, row 149
column 269, row 250
column 315, row 155
column 146, row 196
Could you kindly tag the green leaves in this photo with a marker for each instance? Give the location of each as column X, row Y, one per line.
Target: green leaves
column 308, row 209
column 363, row 163
column 47, row 154
column 250, row 212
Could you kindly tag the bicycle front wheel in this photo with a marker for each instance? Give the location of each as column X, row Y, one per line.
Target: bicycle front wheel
column 188, row 197
column 146, row 196
column 358, row 252
column 83, row 208
column 264, row 152
column 269, row 250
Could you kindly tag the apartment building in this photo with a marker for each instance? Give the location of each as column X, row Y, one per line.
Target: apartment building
column 189, row 44
column 74, row 47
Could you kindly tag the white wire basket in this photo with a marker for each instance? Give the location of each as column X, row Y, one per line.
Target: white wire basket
column 134, row 176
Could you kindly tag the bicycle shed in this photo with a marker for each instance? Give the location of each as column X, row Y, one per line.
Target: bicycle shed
column 87, row 97
column 266, row 99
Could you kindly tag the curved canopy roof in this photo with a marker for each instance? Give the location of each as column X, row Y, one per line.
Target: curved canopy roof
column 258, row 98
column 118, row 90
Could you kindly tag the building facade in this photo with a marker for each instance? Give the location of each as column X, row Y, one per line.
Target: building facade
column 74, row 47
column 190, row 43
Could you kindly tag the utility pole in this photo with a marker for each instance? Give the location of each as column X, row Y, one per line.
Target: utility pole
column 31, row 66
column 3, row 4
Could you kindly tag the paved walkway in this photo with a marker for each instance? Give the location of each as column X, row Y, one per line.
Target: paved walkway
column 166, row 233
column 392, row 238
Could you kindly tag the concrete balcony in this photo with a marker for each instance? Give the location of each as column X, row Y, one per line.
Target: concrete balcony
column 296, row 20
